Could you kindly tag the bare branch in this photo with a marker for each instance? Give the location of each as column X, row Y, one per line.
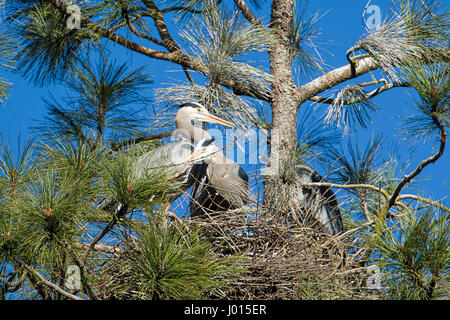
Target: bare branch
column 247, row 13
column 142, row 35
column 381, row 191
column 425, row 200
column 99, row 237
column 333, row 78
column 407, row 178
column 369, row 95
column 15, row 283
column 48, row 283
column 348, row 186
column 158, row 17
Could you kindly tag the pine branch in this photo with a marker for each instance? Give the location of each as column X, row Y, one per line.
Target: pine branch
column 407, row 178
column 333, row 78
column 119, row 145
column 383, row 192
column 13, row 284
column 425, row 200
column 158, row 17
column 367, row 96
column 142, row 35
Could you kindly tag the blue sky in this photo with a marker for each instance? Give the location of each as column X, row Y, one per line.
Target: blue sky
column 341, row 24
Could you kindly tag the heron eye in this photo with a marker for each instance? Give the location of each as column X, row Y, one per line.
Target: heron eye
column 199, row 110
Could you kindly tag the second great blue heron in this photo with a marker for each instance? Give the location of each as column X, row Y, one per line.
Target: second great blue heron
column 316, row 203
column 221, row 184
column 302, row 202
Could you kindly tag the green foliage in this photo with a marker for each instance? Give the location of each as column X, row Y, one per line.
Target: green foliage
column 361, row 166
column 172, row 262
column 43, row 197
column 350, row 107
column 305, row 35
column 432, row 111
column 7, row 50
column 48, row 195
column 104, row 102
column 415, row 256
column 124, row 181
column 410, row 33
column 50, row 211
column 49, row 49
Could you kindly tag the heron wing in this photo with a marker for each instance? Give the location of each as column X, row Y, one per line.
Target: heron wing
column 224, row 187
column 331, row 214
column 322, row 201
column 171, row 157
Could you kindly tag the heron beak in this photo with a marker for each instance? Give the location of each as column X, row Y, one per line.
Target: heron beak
column 196, row 156
column 213, row 119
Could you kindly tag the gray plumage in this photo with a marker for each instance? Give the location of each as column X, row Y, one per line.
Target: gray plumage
column 220, row 183
column 316, row 204
column 174, row 157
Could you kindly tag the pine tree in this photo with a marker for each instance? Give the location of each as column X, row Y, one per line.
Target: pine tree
column 50, row 218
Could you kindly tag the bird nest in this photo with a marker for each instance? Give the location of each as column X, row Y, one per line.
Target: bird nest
column 285, row 261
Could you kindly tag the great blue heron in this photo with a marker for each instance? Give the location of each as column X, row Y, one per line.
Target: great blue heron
column 221, row 183
column 317, row 203
column 174, row 156
column 302, row 202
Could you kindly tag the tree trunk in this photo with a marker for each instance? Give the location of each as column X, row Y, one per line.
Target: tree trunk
column 283, row 101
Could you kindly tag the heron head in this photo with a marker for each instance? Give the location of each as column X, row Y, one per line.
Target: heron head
column 204, row 150
column 196, row 111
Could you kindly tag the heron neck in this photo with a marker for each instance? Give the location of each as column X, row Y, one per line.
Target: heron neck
column 196, row 134
column 219, row 158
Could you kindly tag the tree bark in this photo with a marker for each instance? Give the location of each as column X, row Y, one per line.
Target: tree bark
column 283, row 101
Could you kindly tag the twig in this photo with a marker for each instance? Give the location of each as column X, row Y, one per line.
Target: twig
column 347, row 186
column 122, row 211
column 421, row 199
column 188, row 75
column 142, row 35
column 429, row 11
column 247, row 13
column 48, row 283
column 118, row 145
column 368, row 95
column 364, row 13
